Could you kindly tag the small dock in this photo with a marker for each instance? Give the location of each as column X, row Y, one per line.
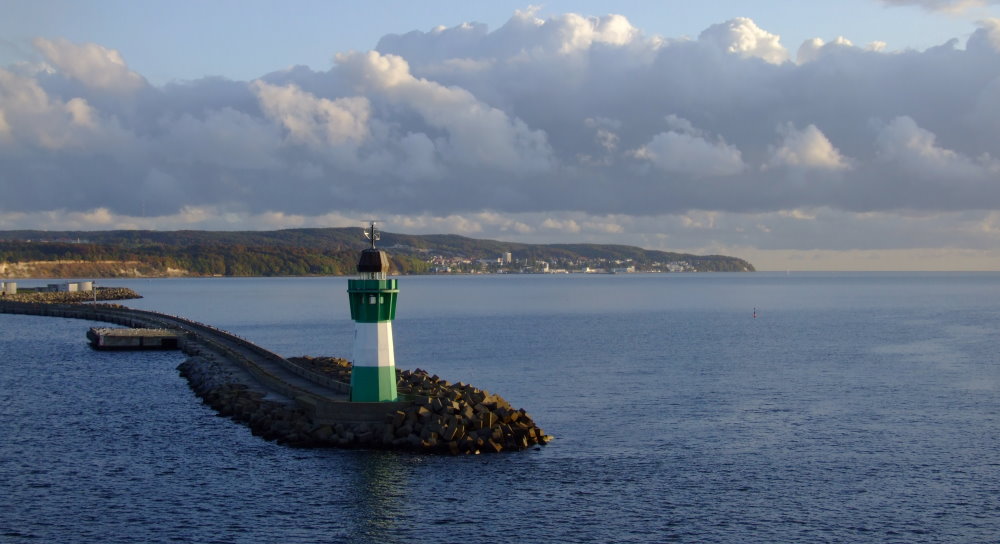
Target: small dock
column 122, row 339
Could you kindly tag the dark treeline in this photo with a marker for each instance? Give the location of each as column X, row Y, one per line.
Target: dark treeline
column 205, row 260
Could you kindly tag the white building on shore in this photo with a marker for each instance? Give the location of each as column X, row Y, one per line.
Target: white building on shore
column 71, row 287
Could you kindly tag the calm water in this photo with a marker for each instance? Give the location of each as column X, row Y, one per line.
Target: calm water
column 854, row 408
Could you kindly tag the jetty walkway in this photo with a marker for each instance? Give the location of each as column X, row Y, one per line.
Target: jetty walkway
column 323, row 398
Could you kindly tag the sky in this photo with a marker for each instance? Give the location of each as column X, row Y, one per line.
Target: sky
column 822, row 135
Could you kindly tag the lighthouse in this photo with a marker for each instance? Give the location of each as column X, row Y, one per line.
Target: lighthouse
column 373, row 307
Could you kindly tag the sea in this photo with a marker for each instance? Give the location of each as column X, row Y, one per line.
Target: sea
column 739, row 407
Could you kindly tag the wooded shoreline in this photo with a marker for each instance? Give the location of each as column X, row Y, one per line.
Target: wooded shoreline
column 311, row 252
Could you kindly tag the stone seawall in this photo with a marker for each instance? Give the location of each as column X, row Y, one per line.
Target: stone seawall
column 434, row 416
column 269, row 416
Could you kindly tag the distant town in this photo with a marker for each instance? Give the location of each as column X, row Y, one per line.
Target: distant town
column 507, row 264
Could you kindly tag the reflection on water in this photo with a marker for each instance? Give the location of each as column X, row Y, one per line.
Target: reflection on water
column 380, row 486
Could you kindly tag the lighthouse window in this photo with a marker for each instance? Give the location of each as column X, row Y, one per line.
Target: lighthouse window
column 371, row 299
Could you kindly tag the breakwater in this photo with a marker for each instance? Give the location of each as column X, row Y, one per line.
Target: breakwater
column 303, row 402
column 48, row 297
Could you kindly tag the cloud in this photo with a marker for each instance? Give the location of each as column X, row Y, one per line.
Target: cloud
column 564, row 125
column 471, row 132
column 988, row 33
column 685, row 150
column 93, row 65
column 315, row 122
column 807, row 148
column 915, row 150
column 741, row 36
column 30, row 117
column 812, row 49
column 524, row 36
column 953, row 179
column 226, row 138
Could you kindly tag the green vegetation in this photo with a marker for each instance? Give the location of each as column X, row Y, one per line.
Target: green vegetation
column 304, row 252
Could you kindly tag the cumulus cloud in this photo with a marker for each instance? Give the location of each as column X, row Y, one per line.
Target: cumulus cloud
column 567, row 124
column 316, row 122
column 806, row 148
column 473, row 133
column 580, row 33
column 742, row 36
column 812, row 49
column 686, row 150
column 30, row 117
column 989, row 33
column 93, row 65
column 523, row 37
column 915, row 150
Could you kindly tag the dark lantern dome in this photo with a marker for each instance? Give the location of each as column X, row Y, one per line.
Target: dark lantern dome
column 373, row 261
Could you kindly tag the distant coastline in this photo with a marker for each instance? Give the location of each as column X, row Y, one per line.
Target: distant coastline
column 317, row 252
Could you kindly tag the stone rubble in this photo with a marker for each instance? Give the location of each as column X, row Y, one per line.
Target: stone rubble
column 46, row 297
column 219, row 387
column 436, row 416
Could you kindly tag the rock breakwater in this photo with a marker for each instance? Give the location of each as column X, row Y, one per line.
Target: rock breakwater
column 460, row 418
column 268, row 416
column 433, row 416
column 48, row 297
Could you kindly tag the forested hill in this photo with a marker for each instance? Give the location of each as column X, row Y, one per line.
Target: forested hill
column 299, row 252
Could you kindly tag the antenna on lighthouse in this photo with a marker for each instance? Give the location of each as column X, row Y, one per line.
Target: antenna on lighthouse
column 372, row 234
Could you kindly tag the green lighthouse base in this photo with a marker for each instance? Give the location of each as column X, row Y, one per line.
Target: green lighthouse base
column 373, row 384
